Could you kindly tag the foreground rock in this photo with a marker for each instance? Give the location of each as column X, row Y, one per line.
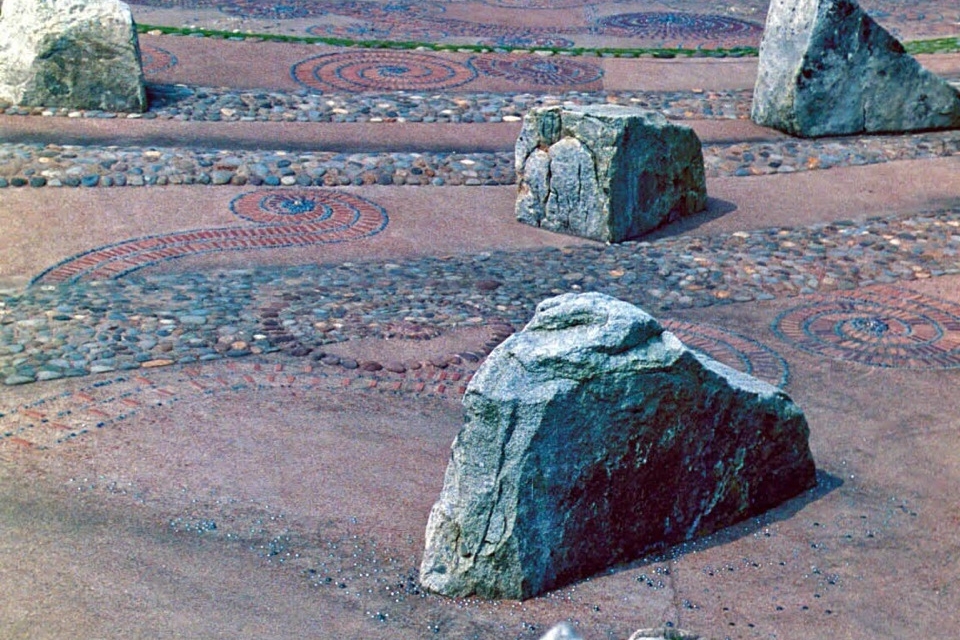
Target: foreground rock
column 606, row 172
column 826, row 68
column 565, row 631
column 593, row 436
column 77, row 54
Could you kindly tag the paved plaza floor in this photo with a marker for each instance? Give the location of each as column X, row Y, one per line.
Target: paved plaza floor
column 235, row 330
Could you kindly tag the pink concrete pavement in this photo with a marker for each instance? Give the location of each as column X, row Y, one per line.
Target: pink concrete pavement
column 443, row 220
column 312, row 473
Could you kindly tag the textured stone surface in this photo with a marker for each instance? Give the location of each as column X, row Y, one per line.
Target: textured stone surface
column 827, row 68
column 606, row 172
column 562, row 631
column 593, row 436
column 78, row 54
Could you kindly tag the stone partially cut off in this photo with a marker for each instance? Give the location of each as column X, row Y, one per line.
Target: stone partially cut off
column 827, row 68
column 606, row 172
column 75, row 54
column 594, row 436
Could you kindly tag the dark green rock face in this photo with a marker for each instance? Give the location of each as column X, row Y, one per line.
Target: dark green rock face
column 827, row 68
column 606, row 172
column 594, row 436
column 71, row 53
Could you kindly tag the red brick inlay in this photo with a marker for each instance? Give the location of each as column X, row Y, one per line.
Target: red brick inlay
column 284, row 218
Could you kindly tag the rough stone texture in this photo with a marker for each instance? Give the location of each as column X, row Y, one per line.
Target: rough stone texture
column 594, row 436
column 562, row 631
column 78, row 54
column 826, row 68
column 606, row 172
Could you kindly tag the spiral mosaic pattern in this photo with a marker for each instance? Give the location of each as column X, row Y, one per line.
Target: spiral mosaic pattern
column 676, row 26
column 297, row 206
column 154, row 59
column 882, row 327
column 528, row 70
column 732, row 349
column 283, row 217
column 381, row 71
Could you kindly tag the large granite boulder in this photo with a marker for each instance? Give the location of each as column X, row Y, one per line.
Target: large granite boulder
column 606, row 172
column 593, row 436
column 826, row 68
column 77, row 54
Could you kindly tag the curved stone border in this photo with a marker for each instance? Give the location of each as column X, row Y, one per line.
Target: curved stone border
column 880, row 327
column 733, row 349
column 154, row 59
column 324, row 217
column 63, row 417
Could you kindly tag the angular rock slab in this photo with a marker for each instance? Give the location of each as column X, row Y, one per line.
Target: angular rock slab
column 827, row 68
column 593, row 436
column 76, row 54
column 606, row 172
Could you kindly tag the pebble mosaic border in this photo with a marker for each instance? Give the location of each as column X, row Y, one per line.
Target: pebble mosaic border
column 62, row 418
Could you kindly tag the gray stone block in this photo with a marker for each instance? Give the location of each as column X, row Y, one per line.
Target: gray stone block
column 593, row 436
column 606, row 172
column 77, row 54
column 827, row 68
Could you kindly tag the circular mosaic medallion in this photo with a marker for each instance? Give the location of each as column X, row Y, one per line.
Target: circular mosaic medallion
column 155, row 59
column 732, row 349
column 381, row 71
column 390, row 11
column 274, row 10
column 297, row 206
column 380, row 31
column 884, row 327
column 541, row 4
column 676, row 26
column 538, row 70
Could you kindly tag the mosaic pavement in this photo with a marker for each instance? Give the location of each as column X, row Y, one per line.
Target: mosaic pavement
column 494, row 22
column 284, row 219
column 105, row 345
column 63, row 417
column 885, row 327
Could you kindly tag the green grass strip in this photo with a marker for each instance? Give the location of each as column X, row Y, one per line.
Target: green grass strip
column 936, row 45
column 433, row 46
